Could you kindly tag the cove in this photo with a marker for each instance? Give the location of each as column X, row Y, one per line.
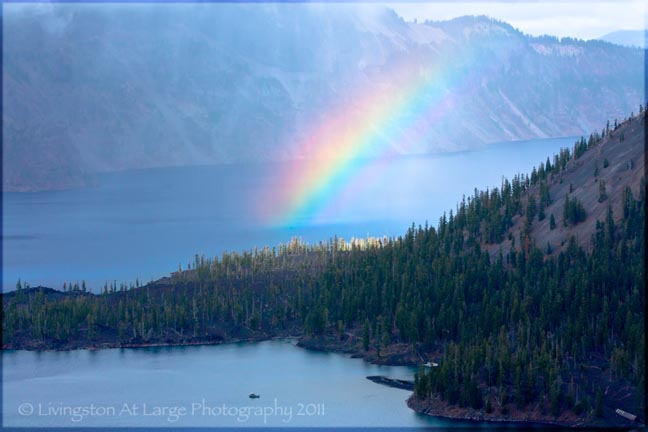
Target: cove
column 203, row 386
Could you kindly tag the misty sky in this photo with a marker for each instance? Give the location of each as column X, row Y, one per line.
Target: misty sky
column 581, row 19
column 584, row 19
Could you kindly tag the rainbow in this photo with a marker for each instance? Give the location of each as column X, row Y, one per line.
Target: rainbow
column 396, row 110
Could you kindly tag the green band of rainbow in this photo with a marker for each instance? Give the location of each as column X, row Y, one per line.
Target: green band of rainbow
column 390, row 116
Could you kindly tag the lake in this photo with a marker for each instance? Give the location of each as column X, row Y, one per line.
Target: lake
column 202, row 386
column 144, row 224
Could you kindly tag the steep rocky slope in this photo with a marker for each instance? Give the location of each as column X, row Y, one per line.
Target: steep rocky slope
column 618, row 161
column 90, row 88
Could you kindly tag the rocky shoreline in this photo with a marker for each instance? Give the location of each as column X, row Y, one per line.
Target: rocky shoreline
column 436, row 407
column 393, row 355
column 106, row 340
column 391, row 382
column 133, row 345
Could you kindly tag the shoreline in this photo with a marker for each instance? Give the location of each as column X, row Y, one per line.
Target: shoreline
column 394, row 355
column 474, row 416
column 322, row 344
column 115, row 345
column 304, row 342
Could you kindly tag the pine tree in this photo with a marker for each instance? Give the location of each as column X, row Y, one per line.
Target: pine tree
column 365, row 335
column 598, row 410
column 602, row 193
column 573, row 211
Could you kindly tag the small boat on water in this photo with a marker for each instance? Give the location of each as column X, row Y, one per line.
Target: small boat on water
column 254, row 396
column 431, row 364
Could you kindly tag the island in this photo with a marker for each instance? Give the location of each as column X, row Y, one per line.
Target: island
column 525, row 302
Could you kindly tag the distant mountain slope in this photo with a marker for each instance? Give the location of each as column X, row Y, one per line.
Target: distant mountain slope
column 618, row 161
column 90, row 88
column 630, row 38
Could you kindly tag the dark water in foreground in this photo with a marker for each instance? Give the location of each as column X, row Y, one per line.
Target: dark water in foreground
column 142, row 224
column 202, row 386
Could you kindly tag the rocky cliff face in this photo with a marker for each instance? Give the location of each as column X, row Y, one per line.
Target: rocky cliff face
column 90, row 88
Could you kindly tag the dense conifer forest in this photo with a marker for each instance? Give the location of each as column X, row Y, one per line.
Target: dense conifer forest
column 537, row 327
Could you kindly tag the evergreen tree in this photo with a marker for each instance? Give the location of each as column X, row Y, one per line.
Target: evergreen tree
column 365, row 335
column 602, row 193
column 598, row 410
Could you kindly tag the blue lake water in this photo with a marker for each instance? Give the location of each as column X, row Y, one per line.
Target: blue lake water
column 143, row 224
column 202, row 386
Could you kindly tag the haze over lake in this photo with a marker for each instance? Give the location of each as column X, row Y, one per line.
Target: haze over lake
column 143, row 224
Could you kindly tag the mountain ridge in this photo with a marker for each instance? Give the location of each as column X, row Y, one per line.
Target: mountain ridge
column 632, row 38
column 88, row 90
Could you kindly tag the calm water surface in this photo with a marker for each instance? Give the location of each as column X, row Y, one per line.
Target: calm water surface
column 143, row 224
column 205, row 385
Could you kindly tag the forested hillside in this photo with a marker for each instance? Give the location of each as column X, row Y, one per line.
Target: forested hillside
column 530, row 297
